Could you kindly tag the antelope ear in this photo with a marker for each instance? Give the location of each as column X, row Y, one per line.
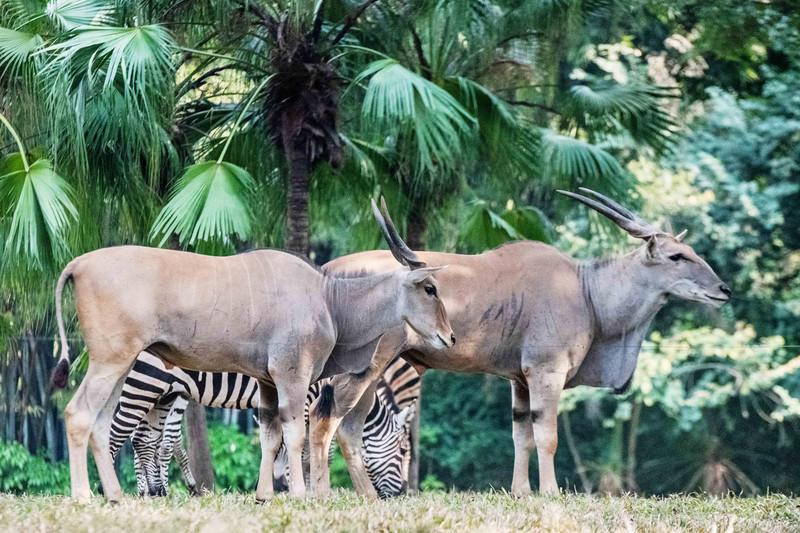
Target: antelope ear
column 680, row 236
column 421, row 274
column 652, row 250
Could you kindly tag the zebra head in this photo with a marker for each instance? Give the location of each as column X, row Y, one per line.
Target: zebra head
column 387, row 452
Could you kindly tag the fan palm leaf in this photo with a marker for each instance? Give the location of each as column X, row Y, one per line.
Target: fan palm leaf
column 633, row 108
column 399, row 99
column 17, row 48
column 110, row 94
column 41, row 208
column 569, row 161
column 510, row 143
column 69, row 14
column 138, row 58
column 207, row 203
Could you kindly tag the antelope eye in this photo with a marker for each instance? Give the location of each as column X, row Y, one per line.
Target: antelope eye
column 677, row 257
column 430, row 290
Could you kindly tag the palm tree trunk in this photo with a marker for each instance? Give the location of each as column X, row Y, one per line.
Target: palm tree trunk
column 417, row 224
column 199, row 449
column 297, row 201
column 630, row 469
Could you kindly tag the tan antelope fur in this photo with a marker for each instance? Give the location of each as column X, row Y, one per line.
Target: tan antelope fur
column 266, row 313
column 528, row 313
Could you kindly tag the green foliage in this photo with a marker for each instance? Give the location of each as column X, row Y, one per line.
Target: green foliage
column 235, row 457
column 23, row 473
column 484, row 228
column 465, row 438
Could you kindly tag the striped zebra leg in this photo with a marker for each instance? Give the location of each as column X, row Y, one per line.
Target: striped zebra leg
column 145, row 449
column 141, row 477
column 170, row 437
column 146, row 383
column 147, row 442
column 183, row 460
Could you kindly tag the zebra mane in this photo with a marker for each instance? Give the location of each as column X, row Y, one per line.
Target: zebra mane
column 387, row 394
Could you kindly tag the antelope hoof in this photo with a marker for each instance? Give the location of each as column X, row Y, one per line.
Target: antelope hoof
column 521, row 492
column 549, row 491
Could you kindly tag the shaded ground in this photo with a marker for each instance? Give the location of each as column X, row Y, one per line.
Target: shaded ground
column 428, row 512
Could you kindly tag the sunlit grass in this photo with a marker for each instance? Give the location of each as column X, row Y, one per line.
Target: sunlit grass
column 462, row 511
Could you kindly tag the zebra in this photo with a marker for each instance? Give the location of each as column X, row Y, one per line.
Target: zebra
column 154, row 398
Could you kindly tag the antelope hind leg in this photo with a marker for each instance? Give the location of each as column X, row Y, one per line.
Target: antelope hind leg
column 522, row 432
column 81, row 418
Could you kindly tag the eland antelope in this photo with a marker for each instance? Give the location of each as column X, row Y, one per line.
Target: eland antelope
column 268, row 314
column 528, row 313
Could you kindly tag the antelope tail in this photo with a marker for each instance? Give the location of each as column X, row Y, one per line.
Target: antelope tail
column 58, row 378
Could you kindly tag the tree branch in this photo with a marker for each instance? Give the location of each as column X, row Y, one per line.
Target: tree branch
column 317, row 27
column 266, row 19
column 350, row 20
column 427, row 73
column 509, row 38
column 580, row 467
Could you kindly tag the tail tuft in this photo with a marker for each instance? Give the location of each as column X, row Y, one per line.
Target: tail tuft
column 58, row 379
column 324, row 406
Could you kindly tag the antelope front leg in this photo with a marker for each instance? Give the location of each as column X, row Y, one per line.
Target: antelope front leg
column 350, row 437
column 336, row 400
column 545, row 389
column 270, row 435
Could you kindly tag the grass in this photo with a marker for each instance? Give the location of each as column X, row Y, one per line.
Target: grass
column 458, row 511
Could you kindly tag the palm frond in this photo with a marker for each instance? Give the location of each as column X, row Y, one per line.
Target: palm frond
column 69, row 14
column 110, row 95
column 137, row 58
column 633, row 108
column 408, row 103
column 208, row 203
column 530, row 223
column 509, row 142
column 41, row 208
column 568, row 161
column 16, row 50
column 485, row 228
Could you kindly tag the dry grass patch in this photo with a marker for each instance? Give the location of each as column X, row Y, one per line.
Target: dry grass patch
column 461, row 511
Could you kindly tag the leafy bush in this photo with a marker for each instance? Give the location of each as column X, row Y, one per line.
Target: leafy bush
column 21, row 472
column 236, row 457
